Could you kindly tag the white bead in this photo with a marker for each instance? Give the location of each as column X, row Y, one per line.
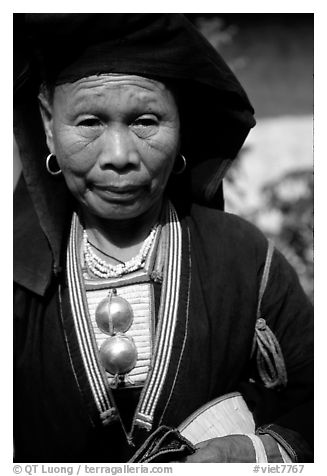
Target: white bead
column 103, row 269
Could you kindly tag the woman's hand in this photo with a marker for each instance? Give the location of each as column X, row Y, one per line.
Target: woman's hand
column 226, row 449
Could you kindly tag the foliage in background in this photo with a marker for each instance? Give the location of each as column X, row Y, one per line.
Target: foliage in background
column 284, row 211
column 286, row 216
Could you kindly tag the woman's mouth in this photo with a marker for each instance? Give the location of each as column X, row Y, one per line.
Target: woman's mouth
column 114, row 193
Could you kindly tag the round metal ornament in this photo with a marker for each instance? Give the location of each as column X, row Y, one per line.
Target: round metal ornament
column 114, row 314
column 118, row 354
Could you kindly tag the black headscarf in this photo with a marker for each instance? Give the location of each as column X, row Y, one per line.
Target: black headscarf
column 216, row 115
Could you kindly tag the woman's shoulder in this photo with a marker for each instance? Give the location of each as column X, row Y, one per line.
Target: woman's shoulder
column 226, row 249
column 217, row 226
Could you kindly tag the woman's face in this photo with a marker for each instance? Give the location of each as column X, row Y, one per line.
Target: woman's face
column 116, row 138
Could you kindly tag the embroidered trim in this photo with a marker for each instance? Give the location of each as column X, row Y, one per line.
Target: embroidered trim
column 164, row 336
column 144, row 421
column 166, row 320
column 285, row 456
column 79, row 308
column 68, row 346
column 287, row 447
column 186, row 326
column 108, row 416
column 260, row 452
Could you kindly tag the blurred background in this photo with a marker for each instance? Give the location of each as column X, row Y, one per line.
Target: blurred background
column 271, row 182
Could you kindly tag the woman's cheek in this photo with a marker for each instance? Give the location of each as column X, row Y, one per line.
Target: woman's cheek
column 77, row 185
column 76, row 154
column 160, row 155
column 159, row 179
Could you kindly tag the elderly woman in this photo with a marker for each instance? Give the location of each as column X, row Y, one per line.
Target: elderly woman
column 137, row 299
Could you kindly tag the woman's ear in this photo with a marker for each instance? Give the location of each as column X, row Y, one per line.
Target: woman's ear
column 46, row 111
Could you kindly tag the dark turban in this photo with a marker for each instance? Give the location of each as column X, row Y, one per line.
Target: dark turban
column 216, row 114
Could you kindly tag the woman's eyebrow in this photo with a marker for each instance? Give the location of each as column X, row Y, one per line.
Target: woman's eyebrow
column 99, row 103
column 78, row 104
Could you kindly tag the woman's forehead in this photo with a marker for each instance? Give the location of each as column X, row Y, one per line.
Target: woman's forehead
column 132, row 89
column 101, row 84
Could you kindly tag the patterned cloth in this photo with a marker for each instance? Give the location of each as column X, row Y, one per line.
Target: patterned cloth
column 139, row 297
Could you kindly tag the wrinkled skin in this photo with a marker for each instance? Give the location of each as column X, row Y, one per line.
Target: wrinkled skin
column 116, row 138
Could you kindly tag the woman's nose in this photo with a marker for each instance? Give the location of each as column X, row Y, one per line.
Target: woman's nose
column 119, row 150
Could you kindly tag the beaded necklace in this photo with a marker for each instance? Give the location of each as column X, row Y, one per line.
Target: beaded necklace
column 102, row 269
column 114, row 314
column 166, row 265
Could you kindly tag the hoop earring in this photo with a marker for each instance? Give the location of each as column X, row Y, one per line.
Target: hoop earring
column 47, row 164
column 181, row 170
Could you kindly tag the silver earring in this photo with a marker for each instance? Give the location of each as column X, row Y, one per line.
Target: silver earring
column 183, row 167
column 47, row 164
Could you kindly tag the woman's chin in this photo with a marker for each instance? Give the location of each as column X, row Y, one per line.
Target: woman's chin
column 118, row 210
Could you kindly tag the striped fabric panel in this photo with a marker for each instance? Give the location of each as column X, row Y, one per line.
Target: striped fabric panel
column 166, row 321
column 275, row 452
column 285, row 456
column 79, row 312
column 260, row 453
column 164, row 335
column 140, row 298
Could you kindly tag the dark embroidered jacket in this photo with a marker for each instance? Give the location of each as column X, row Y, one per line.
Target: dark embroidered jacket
column 55, row 415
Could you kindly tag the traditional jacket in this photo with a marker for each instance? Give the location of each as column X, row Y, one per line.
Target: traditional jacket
column 208, row 338
column 207, row 349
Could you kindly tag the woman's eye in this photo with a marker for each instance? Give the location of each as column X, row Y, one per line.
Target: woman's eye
column 89, row 122
column 145, row 126
column 146, row 121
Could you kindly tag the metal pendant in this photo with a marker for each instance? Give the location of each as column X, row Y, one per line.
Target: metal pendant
column 118, row 354
column 114, row 314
